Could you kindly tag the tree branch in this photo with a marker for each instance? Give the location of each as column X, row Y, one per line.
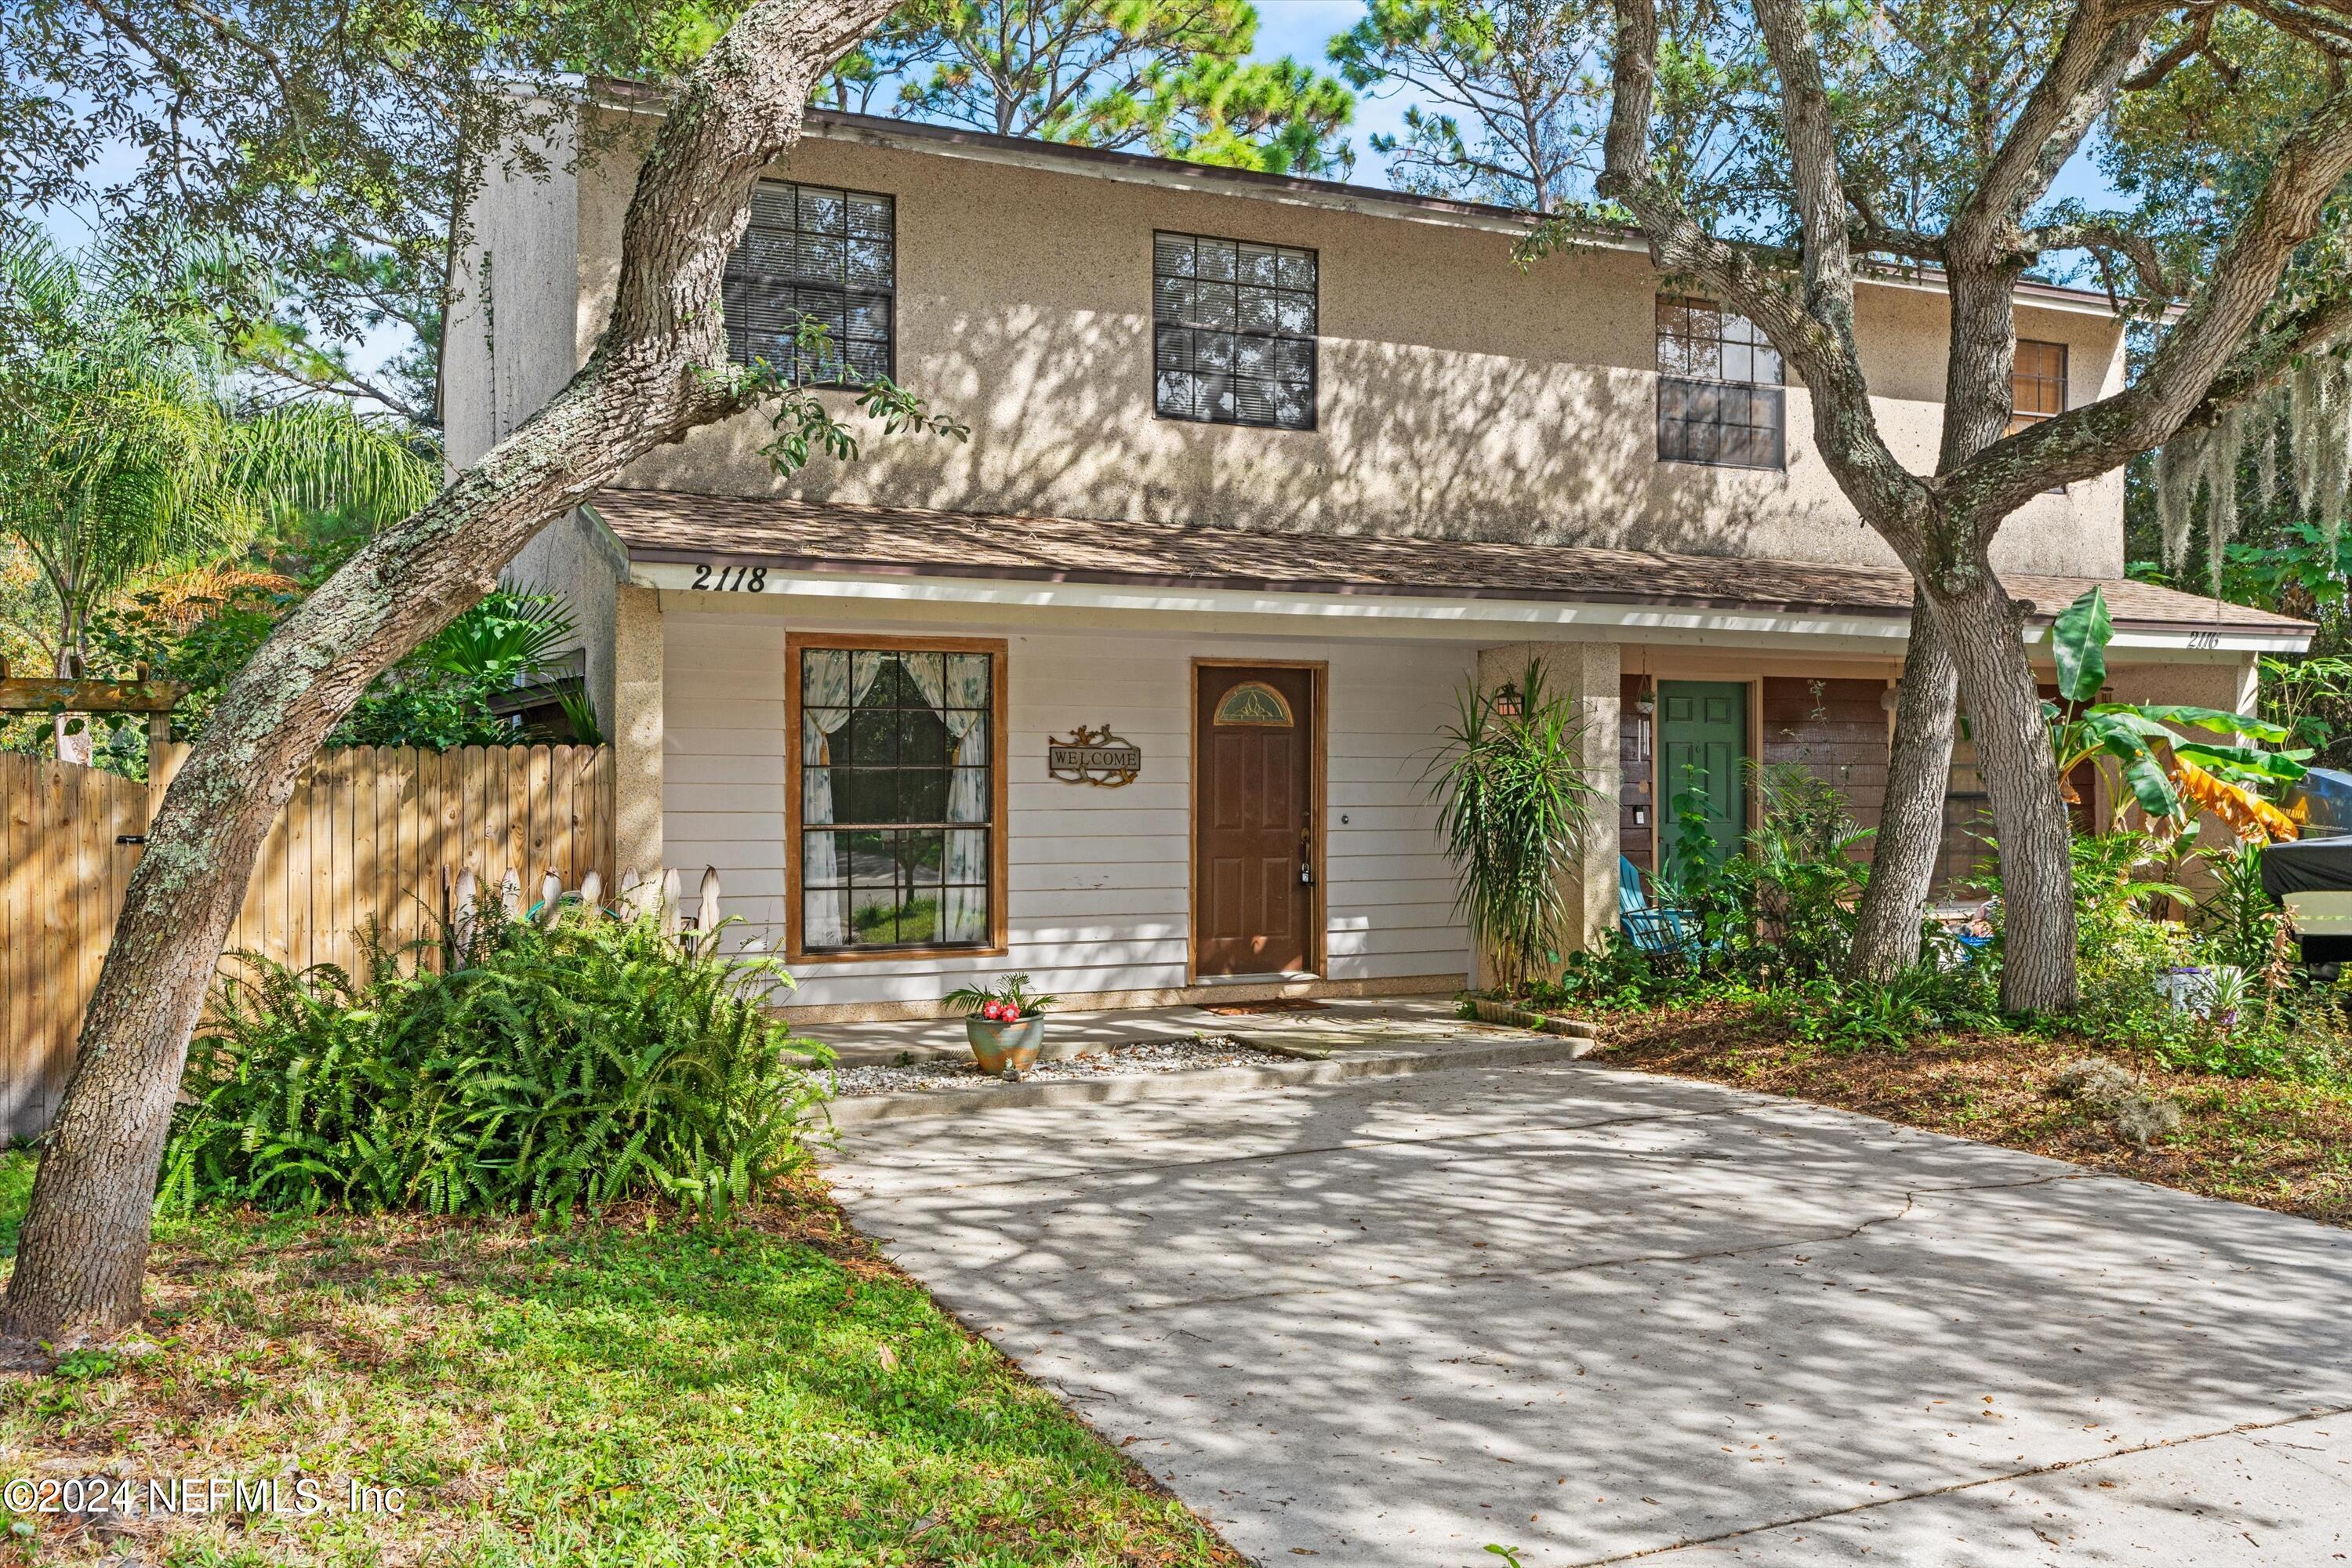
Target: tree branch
column 1815, row 336
column 2187, row 47
column 1983, row 251
column 2110, row 234
column 2263, row 363
column 2206, row 344
column 2098, row 47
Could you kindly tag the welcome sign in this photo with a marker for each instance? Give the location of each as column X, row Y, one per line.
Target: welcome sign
column 1094, row 757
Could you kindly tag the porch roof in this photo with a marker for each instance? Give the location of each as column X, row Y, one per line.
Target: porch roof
column 843, row 538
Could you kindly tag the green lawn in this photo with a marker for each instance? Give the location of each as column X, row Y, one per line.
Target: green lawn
column 630, row 1392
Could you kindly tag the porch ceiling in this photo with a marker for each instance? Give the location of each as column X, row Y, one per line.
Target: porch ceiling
column 834, row 537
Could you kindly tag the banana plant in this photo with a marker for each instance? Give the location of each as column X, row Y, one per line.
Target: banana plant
column 2172, row 776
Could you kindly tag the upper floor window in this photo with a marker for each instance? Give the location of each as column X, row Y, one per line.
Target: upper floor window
column 814, row 254
column 1720, row 388
column 1233, row 338
column 2037, row 383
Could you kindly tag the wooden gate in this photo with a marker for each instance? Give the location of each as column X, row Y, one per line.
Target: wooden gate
column 370, row 836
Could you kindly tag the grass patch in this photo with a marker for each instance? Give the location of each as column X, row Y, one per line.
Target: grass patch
column 2279, row 1144
column 631, row 1391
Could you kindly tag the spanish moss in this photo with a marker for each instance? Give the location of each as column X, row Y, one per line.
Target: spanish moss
column 2298, row 434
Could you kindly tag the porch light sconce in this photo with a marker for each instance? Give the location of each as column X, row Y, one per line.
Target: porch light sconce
column 1507, row 702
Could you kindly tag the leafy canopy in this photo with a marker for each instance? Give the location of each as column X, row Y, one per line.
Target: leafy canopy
column 338, row 145
column 125, row 451
column 1166, row 77
column 1511, row 96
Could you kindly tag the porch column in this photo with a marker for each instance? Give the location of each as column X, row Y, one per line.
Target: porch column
column 1587, row 674
column 637, row 733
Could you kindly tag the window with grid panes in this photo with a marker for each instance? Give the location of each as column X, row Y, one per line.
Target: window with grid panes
column 814, row 254
column 2037, row 387
column 1233, row 332
column 1720, row 399
column 2037, row 383
column 896, row 776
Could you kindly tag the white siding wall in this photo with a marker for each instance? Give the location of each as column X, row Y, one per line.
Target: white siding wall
column 1098, row 877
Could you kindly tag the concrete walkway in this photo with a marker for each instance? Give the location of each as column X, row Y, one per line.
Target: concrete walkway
column 1593, row 1315
column 1341, row 1024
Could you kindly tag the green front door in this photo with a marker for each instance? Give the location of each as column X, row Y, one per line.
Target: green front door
column 1703, row 747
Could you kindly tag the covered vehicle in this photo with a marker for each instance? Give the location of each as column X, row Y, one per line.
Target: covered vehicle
column 2311, row 876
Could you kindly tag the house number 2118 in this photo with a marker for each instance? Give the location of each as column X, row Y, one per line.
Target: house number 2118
column 731, row 579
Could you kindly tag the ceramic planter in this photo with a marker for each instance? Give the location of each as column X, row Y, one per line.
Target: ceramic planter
column 998, row 1046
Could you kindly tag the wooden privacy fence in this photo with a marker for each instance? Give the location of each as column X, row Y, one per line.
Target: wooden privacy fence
column 369, row 835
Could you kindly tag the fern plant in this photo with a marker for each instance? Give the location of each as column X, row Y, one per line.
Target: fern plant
column 545, row 1071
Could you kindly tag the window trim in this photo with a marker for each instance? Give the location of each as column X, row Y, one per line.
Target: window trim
column 1667, row 378
column 1314, row 342
column 999, row 825
column 890, row 348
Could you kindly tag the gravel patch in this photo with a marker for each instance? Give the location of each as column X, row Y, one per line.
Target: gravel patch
column 1139, row 1060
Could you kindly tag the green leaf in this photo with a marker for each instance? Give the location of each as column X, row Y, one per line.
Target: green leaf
column 2241, row 763
column 2124, row 735
column 2080, row 640
column 2150, row 787
column 2221, row 721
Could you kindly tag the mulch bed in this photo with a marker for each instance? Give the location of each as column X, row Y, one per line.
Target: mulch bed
column 2285, row 1146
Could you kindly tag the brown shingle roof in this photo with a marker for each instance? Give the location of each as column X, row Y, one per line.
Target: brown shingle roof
column 914, row 542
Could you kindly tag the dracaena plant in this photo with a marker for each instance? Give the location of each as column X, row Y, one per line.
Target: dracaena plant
column 2171, row 776
column 1514, row 803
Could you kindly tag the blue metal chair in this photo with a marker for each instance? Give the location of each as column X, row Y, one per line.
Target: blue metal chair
column 1650, row 928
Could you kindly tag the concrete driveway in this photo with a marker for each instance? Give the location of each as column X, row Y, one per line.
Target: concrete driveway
column 1591, row 1315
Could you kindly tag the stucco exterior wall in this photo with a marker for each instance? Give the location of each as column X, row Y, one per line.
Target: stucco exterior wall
column 1459, row 395
column 1099, row 878
column 512, row 338
column 512, row 341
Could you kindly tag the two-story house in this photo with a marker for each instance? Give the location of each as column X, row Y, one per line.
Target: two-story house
column 1136, row 688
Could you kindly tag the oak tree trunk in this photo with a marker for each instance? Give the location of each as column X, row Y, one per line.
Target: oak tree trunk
column 1986, row 632
column 1911, row 826
column 658, row 371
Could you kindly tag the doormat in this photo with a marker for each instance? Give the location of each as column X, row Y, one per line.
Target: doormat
column 1272, row 1005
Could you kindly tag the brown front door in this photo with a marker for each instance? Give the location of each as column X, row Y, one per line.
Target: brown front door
column 1253, row 796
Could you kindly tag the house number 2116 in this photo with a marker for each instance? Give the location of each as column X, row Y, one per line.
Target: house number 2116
column 731, row 579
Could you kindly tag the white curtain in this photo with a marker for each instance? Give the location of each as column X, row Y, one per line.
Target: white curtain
column 962, row 698
column 831, row 683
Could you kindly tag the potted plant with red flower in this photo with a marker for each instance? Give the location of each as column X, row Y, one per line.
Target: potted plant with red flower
column 1004, row 1022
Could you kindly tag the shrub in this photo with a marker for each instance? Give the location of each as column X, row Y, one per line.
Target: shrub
column 1514, row 803
column 550, row 1067
column 1798, row 881
column 2241, row 922
column 1867, row 1014
column 1779, row 910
